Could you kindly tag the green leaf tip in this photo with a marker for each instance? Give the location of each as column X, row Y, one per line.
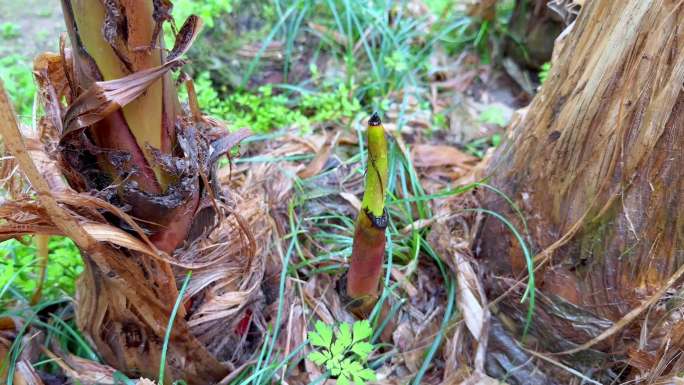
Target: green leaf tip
column 362, row 330
column 322, row 336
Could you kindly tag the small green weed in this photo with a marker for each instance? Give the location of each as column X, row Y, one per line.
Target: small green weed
column 474, row 33
column 345, row 357
column 439, row 7
column 47, row 12
column 439, row 121
column 44, row 35
column 329, row 105
column 544, row 72
column 493, row 114
column 397, row 61
column 478, row 147
column 207, row 10
column 263, row 110
column 9, row 30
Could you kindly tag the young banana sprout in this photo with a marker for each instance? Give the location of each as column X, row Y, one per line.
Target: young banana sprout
column 368, row 248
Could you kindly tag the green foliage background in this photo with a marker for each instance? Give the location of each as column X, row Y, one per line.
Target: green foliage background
column 18, row 267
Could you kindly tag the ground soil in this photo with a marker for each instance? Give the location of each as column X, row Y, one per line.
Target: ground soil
column 40, row 23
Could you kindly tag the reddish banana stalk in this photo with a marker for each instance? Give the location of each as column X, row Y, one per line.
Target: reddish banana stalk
column 112, row 39
column 368, row 249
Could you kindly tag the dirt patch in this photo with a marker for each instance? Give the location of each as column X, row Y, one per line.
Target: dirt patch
column 28, row 27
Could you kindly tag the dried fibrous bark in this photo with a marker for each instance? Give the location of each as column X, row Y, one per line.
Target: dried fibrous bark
column 595, row 165
column 120, row 167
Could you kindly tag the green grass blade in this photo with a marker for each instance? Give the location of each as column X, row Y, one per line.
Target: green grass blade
column 167, row 335
column 445, row 321
column 530, row 289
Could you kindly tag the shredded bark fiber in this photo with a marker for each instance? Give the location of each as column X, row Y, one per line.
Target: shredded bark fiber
column 595, row 167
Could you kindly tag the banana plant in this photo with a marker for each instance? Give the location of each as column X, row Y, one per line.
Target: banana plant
column 125, row 103
column 118, row 165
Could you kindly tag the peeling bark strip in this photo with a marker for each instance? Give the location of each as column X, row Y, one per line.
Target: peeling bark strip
column 368, row 248
column 597, row 163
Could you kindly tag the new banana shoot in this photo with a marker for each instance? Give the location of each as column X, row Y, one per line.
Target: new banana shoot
column 368, row 248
